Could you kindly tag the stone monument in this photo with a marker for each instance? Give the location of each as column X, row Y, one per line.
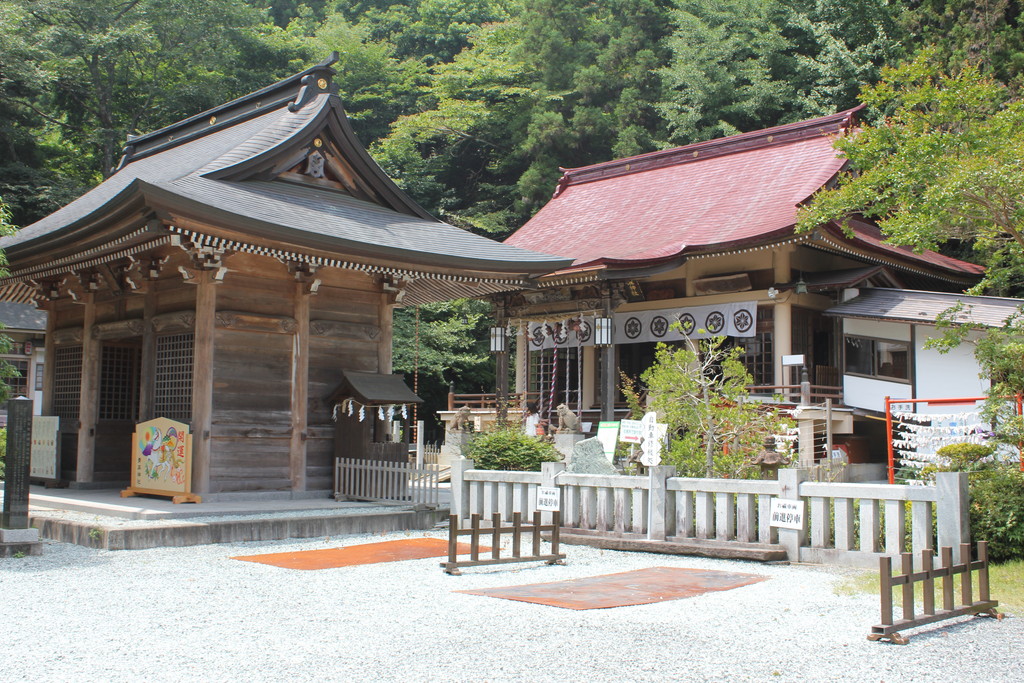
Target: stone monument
column 588, row 458
column 16, row 537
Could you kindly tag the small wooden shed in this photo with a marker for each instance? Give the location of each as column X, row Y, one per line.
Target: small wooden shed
column 229, row 272
column 366, row 406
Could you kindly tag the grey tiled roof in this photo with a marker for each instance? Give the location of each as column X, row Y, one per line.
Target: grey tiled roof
column 204, row 174
column 22, row 317
column 925, row 307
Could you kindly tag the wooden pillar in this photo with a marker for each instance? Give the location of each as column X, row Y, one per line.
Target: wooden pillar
column 147, row 373
column 386, row 334
column 89, row 394
column 49, row 360
column 522, row 359
column 300, row 388
column 782, row 334
column 589, row 375
column 607, row 395
column 202, row 379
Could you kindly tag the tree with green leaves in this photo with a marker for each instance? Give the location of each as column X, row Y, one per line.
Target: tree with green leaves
column 984, row 32
column 449, row 346
column 740, row 65
column 941, row 158
column 98, row 71
column 700, row 392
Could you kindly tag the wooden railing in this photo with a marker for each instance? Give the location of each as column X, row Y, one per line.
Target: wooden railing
column 807, row 394
column 889, row 629
column 402, row 483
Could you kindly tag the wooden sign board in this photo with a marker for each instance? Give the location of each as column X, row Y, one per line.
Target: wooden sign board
column 162, row 461
column 45, row 447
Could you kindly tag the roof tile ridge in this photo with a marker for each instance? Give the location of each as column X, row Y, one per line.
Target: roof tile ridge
column 237, row 154
column 293, row 92
column 742, row 142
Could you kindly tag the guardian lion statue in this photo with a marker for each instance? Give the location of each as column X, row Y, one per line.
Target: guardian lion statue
column 568, row 423
column 463, row 421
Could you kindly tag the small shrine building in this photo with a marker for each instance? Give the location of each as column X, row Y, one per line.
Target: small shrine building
column 705, row 236
column 227, row 275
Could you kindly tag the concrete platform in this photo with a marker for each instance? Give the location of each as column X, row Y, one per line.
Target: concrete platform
column 100, row 518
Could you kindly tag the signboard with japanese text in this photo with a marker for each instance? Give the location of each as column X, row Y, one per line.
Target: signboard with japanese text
column 45, row 447
column 788, row 514
column 162, row 460
column 549, row 498
column 631, row 431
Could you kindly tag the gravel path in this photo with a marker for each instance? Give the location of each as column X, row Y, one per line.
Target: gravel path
column 193, row 614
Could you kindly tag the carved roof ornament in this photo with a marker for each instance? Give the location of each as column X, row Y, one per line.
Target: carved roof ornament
column 315, row 165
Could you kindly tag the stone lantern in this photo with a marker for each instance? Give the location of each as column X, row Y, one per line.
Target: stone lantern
column 770, row 460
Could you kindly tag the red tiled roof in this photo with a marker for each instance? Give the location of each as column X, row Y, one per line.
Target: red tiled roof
column 870, row 236
column 709, row 196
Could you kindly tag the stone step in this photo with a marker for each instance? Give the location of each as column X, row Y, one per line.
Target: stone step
column 165, row 534
column 723, row 550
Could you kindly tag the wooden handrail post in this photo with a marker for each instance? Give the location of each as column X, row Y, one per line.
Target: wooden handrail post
column 885, row 591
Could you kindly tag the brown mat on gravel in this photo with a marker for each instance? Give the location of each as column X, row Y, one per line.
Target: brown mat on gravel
column 640, row 587
column 367, row 553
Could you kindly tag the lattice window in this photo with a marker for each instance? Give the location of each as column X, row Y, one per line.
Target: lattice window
column 172, row 395
column 119, row 383
column 67, row 381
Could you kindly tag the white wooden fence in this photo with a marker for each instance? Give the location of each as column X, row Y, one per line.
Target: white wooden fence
column 844, row 524
column 388, row 482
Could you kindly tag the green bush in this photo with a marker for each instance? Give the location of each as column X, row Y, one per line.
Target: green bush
column 965, row 457
column 510, row 449
column 997, row 512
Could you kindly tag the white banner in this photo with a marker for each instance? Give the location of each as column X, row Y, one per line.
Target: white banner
column 569, row 332
column 696, row 322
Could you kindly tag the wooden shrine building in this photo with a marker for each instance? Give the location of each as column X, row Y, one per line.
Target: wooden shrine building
column 229, row 272
column 704, row 235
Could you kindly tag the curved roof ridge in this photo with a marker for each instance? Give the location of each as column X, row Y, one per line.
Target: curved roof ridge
column 275, row 133
column 292, row 92
column 832, row 124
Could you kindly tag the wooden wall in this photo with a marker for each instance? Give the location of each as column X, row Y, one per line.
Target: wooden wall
column 256, row 344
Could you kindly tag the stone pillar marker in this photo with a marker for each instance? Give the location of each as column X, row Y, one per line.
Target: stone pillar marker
column 15, row 534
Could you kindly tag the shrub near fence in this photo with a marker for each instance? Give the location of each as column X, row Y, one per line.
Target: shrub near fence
column 844, row 524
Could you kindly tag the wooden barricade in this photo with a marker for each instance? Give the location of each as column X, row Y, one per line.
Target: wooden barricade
column 984, row 606
column 494, row 534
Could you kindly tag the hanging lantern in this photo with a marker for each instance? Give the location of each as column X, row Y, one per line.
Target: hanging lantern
column 499, row 342
column 603, row 331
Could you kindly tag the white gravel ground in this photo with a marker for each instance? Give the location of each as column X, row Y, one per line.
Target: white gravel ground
column 194, row 614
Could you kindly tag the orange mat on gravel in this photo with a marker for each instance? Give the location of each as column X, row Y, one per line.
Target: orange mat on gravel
column 367, row 553
column 640, row 587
